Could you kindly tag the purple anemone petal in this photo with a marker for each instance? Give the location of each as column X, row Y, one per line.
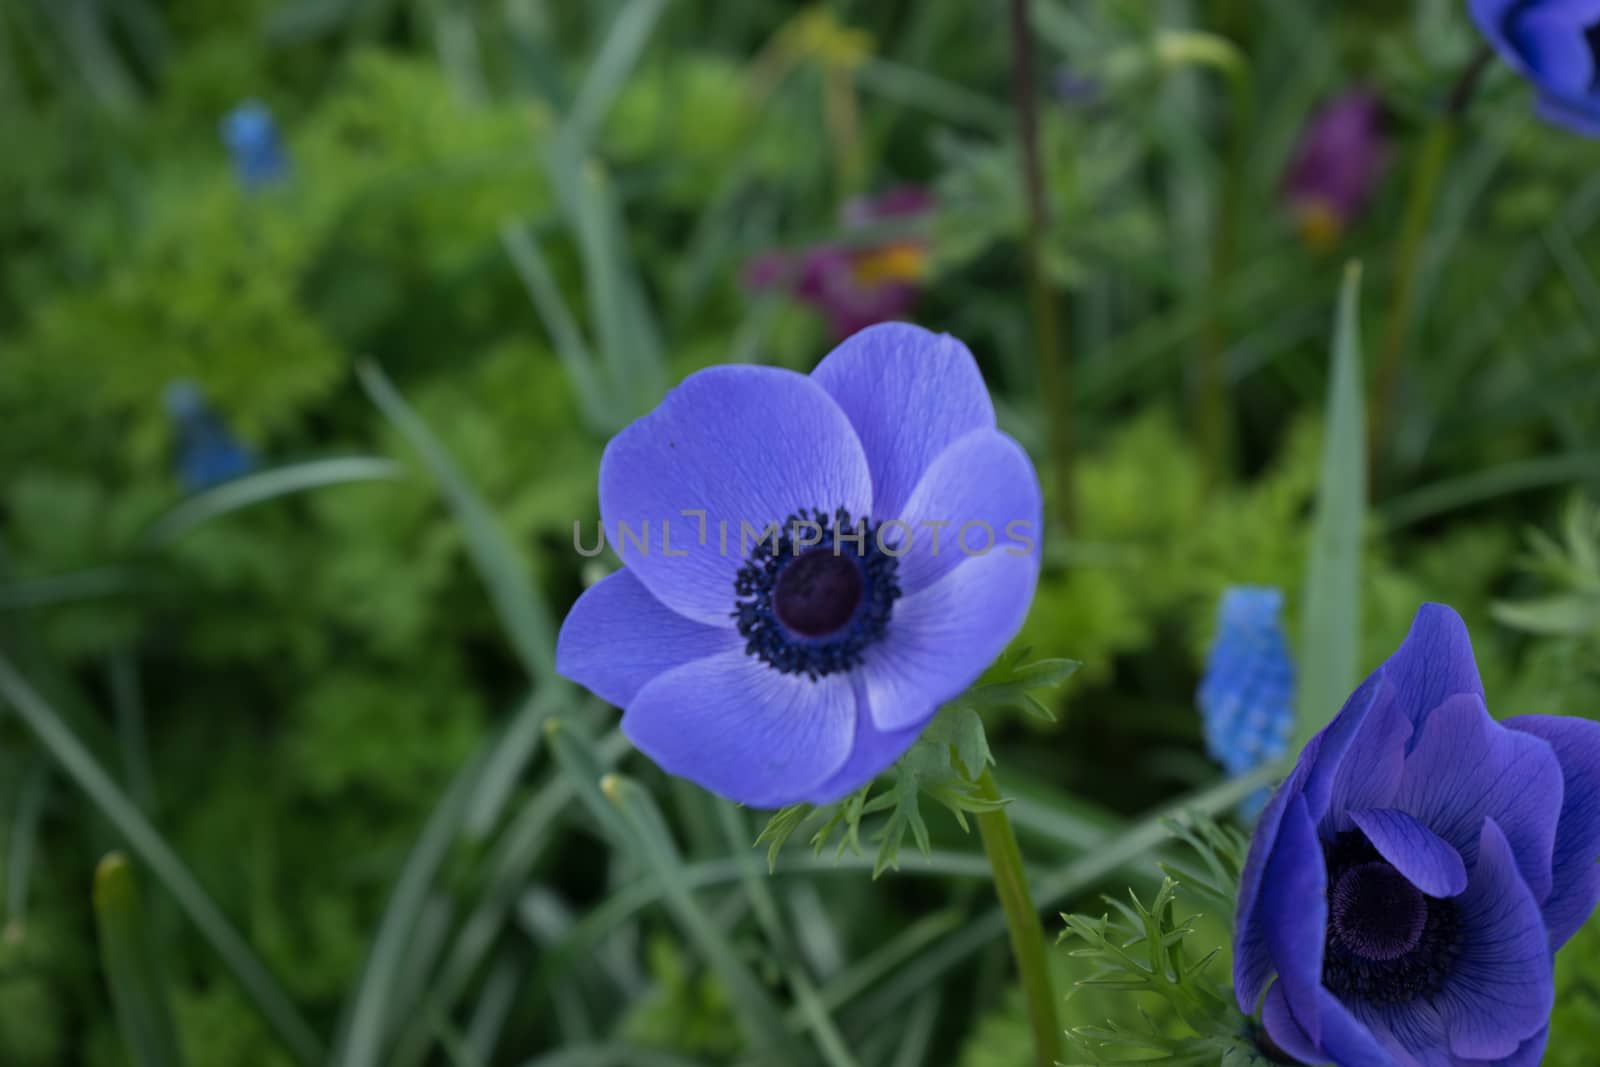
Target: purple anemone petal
column 1344, row 1039
column 1529, row 1054
column 1315, row 774
column 942, row 638
column 1553, row 47
column 1370, row 773
column 1491, row 16
column 1424, row 858
column 743, row 730
column 871, row 754
column 979, row 496
column 1252, row 959
column 1466, row 767
column 1294, row 907
column 618, row 637
column 1581, row 115
column 1412, row 1032
column 1502, row 988
column 748, row 446
column 909, row 394
column 1285, row 1031
column 1433, row 663
column 1575, row 885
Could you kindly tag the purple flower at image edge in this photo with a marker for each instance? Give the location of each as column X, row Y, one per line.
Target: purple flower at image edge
column 1555, row 44
column 1408, row 885
column 1336, row 167
column 772, row 672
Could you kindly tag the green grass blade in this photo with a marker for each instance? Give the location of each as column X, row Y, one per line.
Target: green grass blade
column 69, row 588
column 19, row 846
column 138, row 990
column 812, row 1010
column 1480, row 486
column 148, row 845
column 511, row 756
column 516, row 598
column 127, row 701
column 252, row 489
column 763, row 1024
column 545, row 294
column 372, row 1007
column 608, row 71
column 510, row 862
column 1330, row 629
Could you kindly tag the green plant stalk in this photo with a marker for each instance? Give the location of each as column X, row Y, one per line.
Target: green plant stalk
column 1022, row 921
column 143, row 840
column 1213, row 416
column 1425, row 182
column 1053, row 379
column 1215, row 422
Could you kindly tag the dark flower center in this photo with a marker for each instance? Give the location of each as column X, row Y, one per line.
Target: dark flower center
column 1592, row 35
column 818, row 593
column 1376, row 913
column 815, row 593
column 1387, row 941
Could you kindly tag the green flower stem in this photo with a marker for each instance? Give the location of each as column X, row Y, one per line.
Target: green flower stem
column 1022, row 920
column 1053, row 379
column 1426, row 179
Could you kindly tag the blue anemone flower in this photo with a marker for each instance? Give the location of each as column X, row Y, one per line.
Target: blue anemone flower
column 1410, row 882
column 812, row 565
column 207, row 453
column 251, row 134
column 1555, row 44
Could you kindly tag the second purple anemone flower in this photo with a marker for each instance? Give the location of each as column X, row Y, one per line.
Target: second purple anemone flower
column 812, row 565
column 1410, row 882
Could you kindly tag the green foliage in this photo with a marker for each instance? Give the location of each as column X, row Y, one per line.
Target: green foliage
column 1153, row 953
column 1577, row 1012
column 943, row 765
column 687, row 1011
column 1572, row 566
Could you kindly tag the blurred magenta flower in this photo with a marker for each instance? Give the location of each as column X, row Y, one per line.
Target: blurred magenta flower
column 895, row 554
column 251, row 136
column 207, row 452
column 1247, row 695
column 1336, row 167
column 1555, row 44
column 856, row 285
column 1410, row 882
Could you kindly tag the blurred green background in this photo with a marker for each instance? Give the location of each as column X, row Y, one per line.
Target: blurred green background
column 487, row 234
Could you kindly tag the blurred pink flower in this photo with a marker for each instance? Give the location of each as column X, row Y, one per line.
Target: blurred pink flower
column 855, row 285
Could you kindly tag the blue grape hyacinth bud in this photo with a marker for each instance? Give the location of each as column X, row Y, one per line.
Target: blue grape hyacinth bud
column 251, row 134
column 207, row 453
column 1247, row 695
